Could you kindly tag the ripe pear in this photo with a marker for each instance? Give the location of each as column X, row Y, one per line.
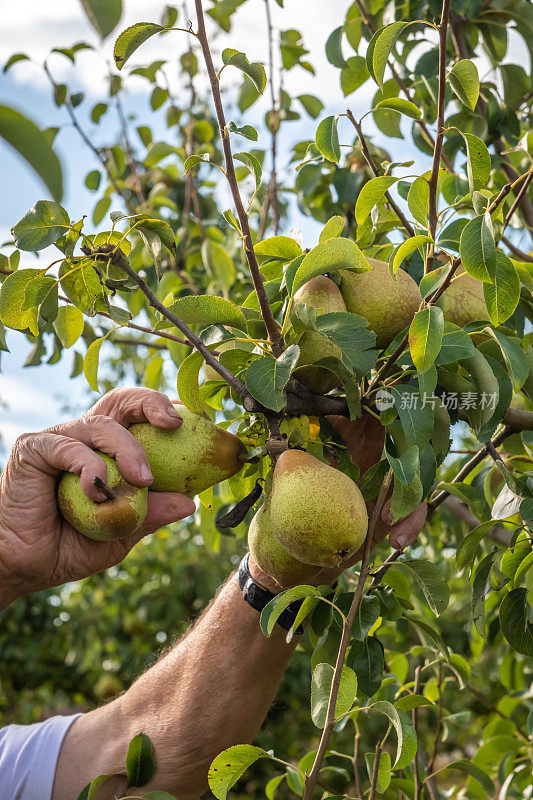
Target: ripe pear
column 463, row 300
column 270, row 556
column 323, row 294
column 192, row 458
column 318, row 514
column 110, row 519
column 389, row 305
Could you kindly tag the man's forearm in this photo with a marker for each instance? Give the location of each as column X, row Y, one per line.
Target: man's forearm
column 211, row 691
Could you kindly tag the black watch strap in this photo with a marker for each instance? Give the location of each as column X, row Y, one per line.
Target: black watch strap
column 258, row 597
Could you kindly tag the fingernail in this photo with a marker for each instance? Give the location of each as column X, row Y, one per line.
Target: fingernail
column 146, row 475
column 402, row 541
column 171, row 411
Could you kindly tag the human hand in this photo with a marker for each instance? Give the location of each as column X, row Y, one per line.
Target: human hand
column 38, row 548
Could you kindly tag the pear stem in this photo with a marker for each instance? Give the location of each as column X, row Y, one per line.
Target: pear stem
column 104, row 488
column 311, row 779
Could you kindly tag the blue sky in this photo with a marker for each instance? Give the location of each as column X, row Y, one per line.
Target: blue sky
column 37, row 397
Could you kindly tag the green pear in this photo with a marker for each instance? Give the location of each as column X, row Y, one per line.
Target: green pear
column 321, row 293
column 463, row 300
column 110, row 519
column 270, row 556
column 211, row 374
column 192, row 458
column 388, row 304
column 318, row 514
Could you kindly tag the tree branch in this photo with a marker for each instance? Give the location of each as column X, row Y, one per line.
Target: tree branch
column 116, row 256
column 266, row 312
column 311, row 779
column 375, row 169
column 129, row 151
column 439, row 140
column 274, row 122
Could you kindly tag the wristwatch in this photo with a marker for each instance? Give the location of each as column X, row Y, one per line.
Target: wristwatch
column 258, row 597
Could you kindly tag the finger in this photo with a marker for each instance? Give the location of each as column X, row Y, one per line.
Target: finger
column 54, row 453
column 406, row 531
column 127, row 406
column 163, row 509
column 386, row 513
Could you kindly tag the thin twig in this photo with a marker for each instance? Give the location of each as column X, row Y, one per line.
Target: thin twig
column 274, row 122
column 414, row 716
column 266, row 311
column 115, row 255
column 375, row 169
column 375, row 771
column 431, row 762
column 311, row 779
column 439, row 139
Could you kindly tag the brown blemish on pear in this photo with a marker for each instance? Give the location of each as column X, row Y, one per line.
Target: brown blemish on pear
column 192, row 458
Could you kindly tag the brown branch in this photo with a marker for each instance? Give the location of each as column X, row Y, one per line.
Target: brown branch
column 489, row 704
column 274, row 122
column 518, row 198
column 138, row 343
column 375, row 771
column 115, row 255
column 272, row 328
column 515, row 251
column 439, row 139
column 462, row 512
column 526, row 205
column 471, row 464
column 129, row 151
column 431, row 762
column 355, row 759
column 90, row 145
column 375, row 169
column 414, row 716
column 311, row 779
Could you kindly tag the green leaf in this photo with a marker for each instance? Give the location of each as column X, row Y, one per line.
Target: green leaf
column 367, row 660
column 266, row 377
column 435, row 588
column 104, row 15
column 370, row 194
column 205, row 309
column 353, row 75
column 464, row 80
column 478, row 250
column 33, row 145
column 68, row 325
column 280, row 602
column 384, row 770
column 90, row 363
column 334, row 49
column 321, row 690
column 478, row 162
column 277, row 247
column 416, row 419
column 475, row 772
column 90, row 792
column 230, row 765
column 515, row 359
column 312, row 104
column 332, row 229
column 101, row 209
column 356, row 342
column 327, row 139
column 253, row 166
column 329, row 256
column 466, row 551
column 193, row 161
column 14, row 59
column 255, row 71
column 410, row 701
column 502, row 296
column 187, row 382
column 405, row 466
column 406, row 249
column 418, row 200
column 132, row 38
column 456, row 344
column 405, row 732
column 379, row 48
column 367, row 614
column 140, row 765
column 425, row 337
column 245, row 130
column 401, row 105
column 514, row 621
column 12, row 298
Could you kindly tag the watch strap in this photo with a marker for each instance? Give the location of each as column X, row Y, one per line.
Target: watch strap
column 258, row 597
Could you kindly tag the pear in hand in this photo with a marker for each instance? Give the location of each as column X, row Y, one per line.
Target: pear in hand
column 318, row 514
column 192, row 458
column 270, row 556
column 389, row 304
column 110, row 519
column 321, row 293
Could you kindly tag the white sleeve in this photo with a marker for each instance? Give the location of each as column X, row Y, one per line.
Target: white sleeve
column 28, row 758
